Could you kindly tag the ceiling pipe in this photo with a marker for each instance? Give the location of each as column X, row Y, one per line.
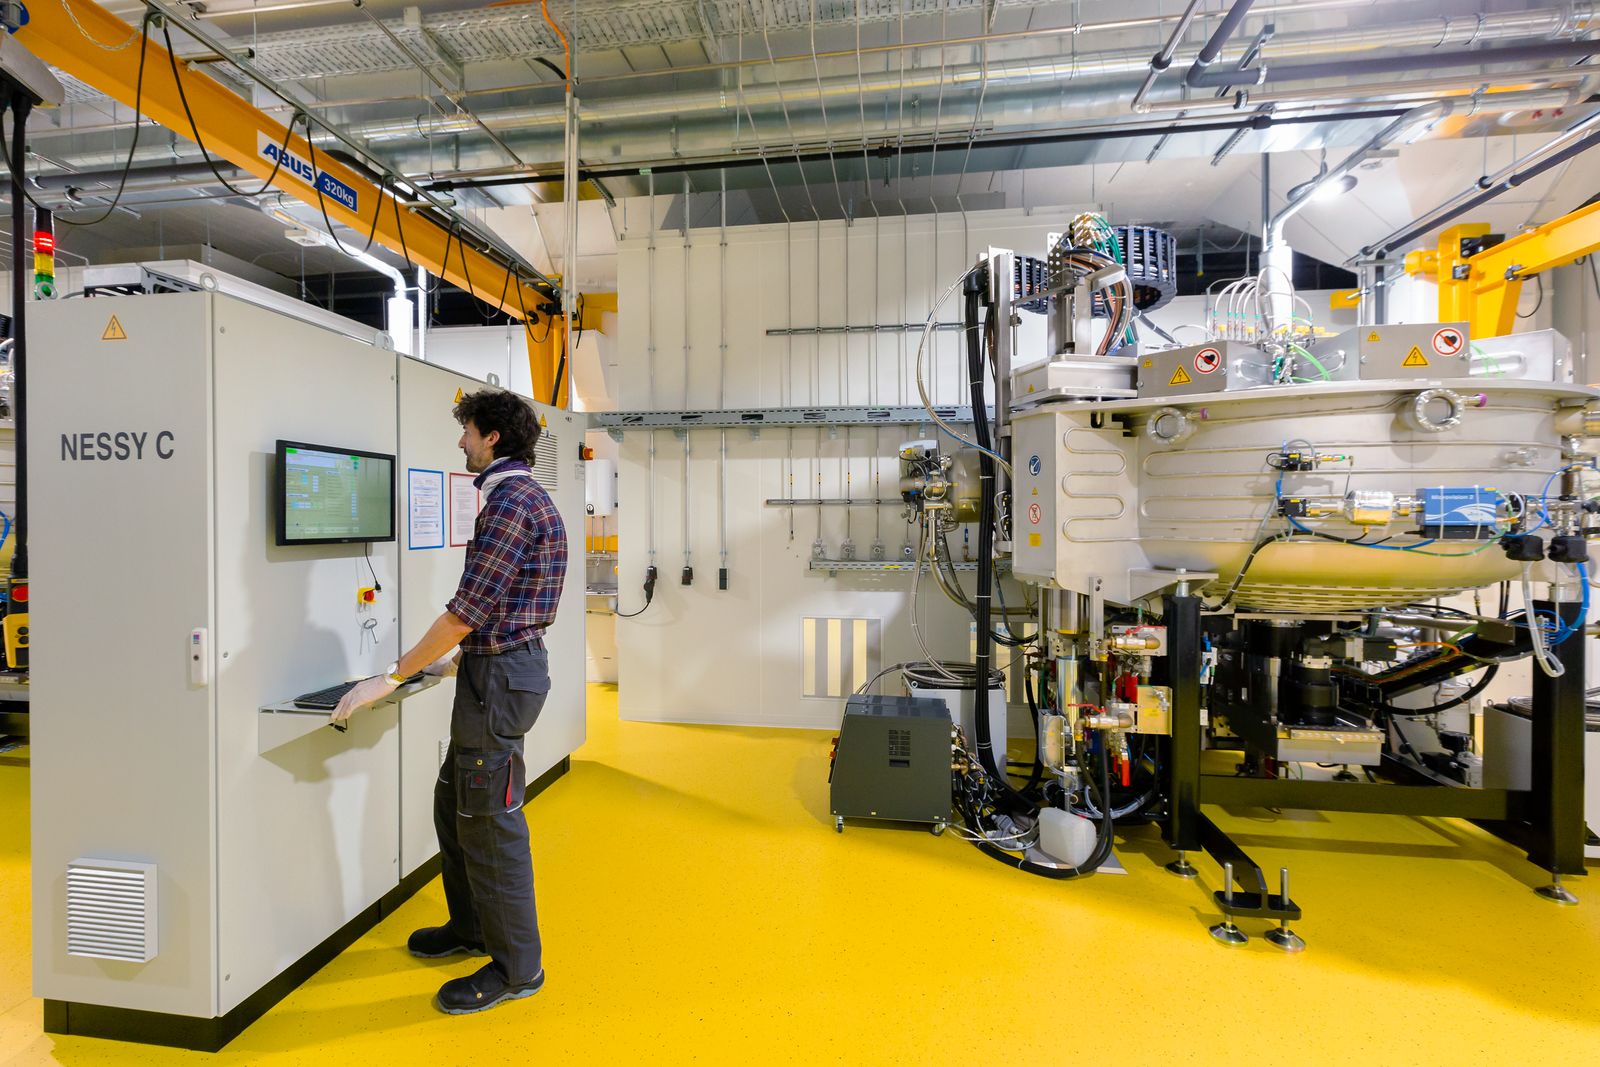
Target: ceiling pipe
column 1346, row 68
column 889, row 149
column 887, row 144
column 1273, row 234
column 1213, row 47
column 400, row 316
column 1277, row 257
column 1578, row 139
column 1163, row 59
column 173, row 173
column 1052, row 71
column 1074, row 30
column 1419, row 92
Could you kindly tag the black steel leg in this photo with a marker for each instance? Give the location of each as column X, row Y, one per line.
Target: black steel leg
column 1555, row 801
column 1254, row 900
column 1181, row 671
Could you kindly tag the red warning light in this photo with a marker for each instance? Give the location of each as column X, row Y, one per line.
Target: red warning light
column 44, row 243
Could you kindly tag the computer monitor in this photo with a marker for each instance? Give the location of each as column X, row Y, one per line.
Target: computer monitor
column 330, row 496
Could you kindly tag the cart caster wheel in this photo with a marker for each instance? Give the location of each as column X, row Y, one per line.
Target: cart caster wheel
column 936, row 829
column 838, row 824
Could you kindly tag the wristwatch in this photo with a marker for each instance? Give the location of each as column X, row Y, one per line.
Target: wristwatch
column 392, row 672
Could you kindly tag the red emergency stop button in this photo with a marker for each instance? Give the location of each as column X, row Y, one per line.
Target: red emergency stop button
column 19, row 595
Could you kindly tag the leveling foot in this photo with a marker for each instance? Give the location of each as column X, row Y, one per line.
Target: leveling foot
column 1182, row 867
column 1556, row 891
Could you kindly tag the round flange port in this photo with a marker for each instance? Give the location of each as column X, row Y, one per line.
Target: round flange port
column 1168, row 426
column 1434, row 411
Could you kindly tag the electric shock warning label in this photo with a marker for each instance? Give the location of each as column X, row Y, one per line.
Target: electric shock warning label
column 290, row 163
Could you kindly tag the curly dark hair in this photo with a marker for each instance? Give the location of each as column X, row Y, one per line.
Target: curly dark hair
column 496, row 409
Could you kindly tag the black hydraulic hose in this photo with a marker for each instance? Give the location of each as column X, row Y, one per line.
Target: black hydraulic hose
column 972, row 292
column 1037, row 774
column 1472, row 691
column 1102, row 845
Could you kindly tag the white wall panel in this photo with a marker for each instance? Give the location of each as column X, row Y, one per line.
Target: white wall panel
column 701, row 654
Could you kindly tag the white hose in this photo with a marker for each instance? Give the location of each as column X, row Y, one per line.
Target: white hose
column 924, row 542
column 922, row 386
column 1552, row 668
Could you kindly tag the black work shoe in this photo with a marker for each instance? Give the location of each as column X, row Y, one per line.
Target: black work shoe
column 436, row 942
column 482, row 990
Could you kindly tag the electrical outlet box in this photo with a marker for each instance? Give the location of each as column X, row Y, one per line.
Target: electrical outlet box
column 1154, row 715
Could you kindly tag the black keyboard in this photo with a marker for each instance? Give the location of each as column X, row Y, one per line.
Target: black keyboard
column 328, row 699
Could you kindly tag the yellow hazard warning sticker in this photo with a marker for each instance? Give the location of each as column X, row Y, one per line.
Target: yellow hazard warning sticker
column 459, row 395
column 1180, row 377
column 114, row 331
column 1373, row 336
column 543, row 424
column 1414, row 358
column 1034, row 540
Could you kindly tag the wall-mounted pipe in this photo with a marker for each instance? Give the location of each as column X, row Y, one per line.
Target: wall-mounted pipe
column 688, row 495
column 722, row 384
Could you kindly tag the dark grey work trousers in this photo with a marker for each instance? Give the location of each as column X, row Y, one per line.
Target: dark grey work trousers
column 477, row 807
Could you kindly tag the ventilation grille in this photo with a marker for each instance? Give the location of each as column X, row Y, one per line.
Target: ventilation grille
column 111, row 910
column 545, row 467
column 899, row 744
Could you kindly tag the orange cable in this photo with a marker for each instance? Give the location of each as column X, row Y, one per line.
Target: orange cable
column 565, row 47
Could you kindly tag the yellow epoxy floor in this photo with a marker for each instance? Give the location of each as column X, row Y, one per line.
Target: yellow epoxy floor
column 698, row 907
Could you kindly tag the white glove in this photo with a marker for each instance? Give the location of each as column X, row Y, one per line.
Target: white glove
column 364, row 693
column 444, row 667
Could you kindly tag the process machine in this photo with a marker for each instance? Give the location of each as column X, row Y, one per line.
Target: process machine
column 1261, row 570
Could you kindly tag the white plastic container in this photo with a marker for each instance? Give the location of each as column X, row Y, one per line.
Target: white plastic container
column 1065, row 837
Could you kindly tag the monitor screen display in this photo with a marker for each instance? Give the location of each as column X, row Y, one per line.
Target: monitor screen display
column 330, row 495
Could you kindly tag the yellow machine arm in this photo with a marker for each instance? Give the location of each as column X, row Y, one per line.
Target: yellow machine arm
column 88, row 43
column 1483, row 288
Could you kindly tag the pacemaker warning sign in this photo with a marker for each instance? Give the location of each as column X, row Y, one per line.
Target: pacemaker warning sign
column 1207, row 360
column 1448, row 342
column 1414, row 358
column 114, row 331
column 1180, row 377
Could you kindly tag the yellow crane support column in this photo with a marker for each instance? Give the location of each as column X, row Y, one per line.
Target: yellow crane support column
column 104, row 52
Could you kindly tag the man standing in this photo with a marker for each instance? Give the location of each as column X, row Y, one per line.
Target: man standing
column 507, row 597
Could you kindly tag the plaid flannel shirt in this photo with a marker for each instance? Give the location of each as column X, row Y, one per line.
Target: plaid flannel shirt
column 515, row 567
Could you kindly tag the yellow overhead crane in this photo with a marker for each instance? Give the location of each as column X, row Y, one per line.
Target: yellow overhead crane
column 103, row 51
column 1480, row 282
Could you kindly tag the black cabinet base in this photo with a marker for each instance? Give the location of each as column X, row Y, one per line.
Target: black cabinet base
column 210, row 1035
